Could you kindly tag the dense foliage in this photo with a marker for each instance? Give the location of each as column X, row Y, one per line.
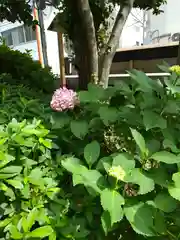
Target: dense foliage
column 22, row 69
column 109, row 169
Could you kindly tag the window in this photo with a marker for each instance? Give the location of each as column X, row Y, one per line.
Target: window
column 19, row 35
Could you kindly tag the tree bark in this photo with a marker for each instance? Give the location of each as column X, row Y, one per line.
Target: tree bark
column 109, row 52
column 90, row 38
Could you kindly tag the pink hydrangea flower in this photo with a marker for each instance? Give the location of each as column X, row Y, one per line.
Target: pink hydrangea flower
column 64, row 99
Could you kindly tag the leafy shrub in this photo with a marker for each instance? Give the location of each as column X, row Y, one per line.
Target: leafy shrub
column 107, row 170
column 125, row 151
column 23, row 70
column 17, row 101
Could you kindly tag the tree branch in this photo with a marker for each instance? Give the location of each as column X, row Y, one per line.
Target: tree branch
column 113, row 42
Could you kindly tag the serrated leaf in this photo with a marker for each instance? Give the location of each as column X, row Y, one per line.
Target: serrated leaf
column 81, row 175
column 92, row 152
column 146, row 184
column 166, row 157
column 165, row 202
column 153, row 120
column 41, row 232
column 112, row 201
column 140, row 217
column 139, row 140
column 79, row 128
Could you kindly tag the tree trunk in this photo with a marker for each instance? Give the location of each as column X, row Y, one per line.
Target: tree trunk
column 109, row 52
column 89, row 55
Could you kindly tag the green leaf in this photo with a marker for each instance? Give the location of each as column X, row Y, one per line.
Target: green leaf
column 166, row 157
column 84, row 97
column 81, row 175
column 35, row 177
column 165, row 202
column 15, row 183
column 15, row 234
column 108, row 115
column 79, row 129
column 92, row 152
column 10, row 171
column 139, row 140
column 106, row 222
column 46, row 142
column 174, row 190
column 140, row 217
column 153, row 120
column 112, row 201
column 146, row 184
column 41, row 232
column 125, row 161
column 101, row 163
column 31, row 218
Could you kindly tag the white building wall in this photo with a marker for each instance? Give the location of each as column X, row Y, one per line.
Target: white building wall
column 132, row 34
column 51, row 40
column 165, row 23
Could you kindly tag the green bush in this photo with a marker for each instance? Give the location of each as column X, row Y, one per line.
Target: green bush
column 24, row 70
column 107, row 170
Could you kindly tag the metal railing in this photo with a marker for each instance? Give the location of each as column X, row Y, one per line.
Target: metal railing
column 127, row 75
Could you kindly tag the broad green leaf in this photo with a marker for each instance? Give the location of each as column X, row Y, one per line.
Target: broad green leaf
column 106, row 222
column 89, row 178
column 112, row 201
column 73, row 165
column 140, row 217
column 160, row 222
column 146, row 184
column 108, row 115
column 41, row 232
column 153, row 120
column 15, row 183
column 174, row 190
column 84, row 97
column 59, row 120
column 81, row 175
column 101, row 163
column 96, row 91
column 125, row 161
column 92, row 152
column 142, row 79
column 165, row 202
column 35, row 177
column 139, row 140
column 79, row 129
column 166, row 157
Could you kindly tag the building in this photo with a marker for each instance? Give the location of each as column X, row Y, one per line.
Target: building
column 23, row 38
column 165, row 27
column 133, row 31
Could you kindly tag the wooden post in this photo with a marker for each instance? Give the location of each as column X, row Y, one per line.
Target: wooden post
column 38, row 38
column 61, row 60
